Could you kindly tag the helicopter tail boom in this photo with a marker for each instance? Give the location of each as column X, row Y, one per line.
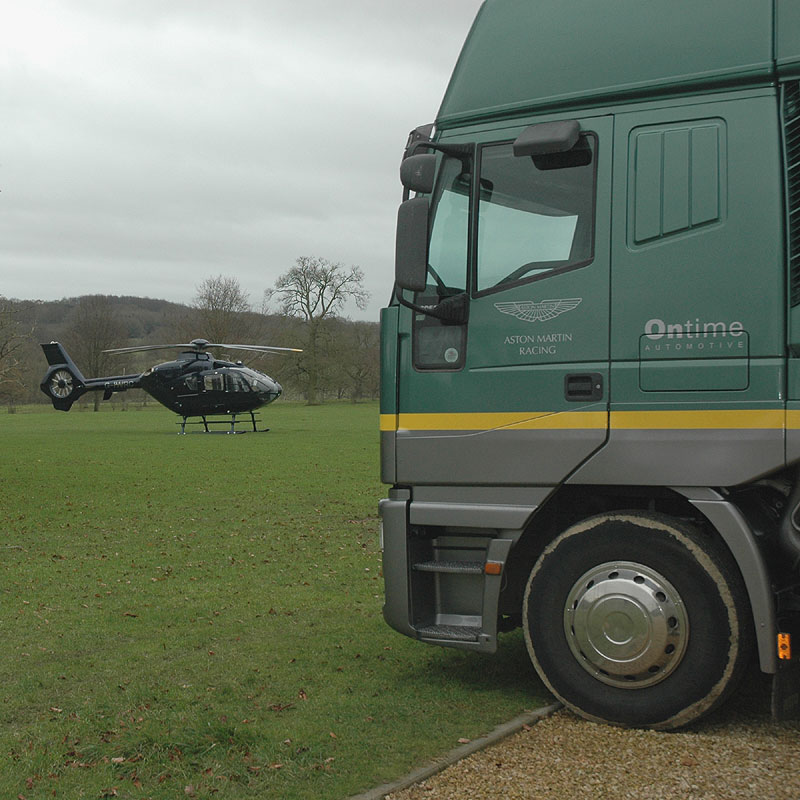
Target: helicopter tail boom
column 64, row 383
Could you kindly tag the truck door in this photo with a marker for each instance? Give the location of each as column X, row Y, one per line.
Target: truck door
column 518, row 393
column 698, row 316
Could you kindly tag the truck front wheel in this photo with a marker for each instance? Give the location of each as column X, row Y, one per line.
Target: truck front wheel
column 637, row 619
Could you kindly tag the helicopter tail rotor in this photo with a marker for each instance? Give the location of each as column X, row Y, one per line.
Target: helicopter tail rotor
column 63, row 383
column 62, row 387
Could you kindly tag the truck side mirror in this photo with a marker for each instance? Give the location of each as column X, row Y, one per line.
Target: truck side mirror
column 411, row 244
column 418, row 172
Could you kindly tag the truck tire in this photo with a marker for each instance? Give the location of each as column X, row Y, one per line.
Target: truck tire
column 637, row 619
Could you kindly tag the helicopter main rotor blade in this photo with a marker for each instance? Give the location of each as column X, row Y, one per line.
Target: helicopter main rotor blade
column 258, row 348
column 201, row 345
column 143, row 347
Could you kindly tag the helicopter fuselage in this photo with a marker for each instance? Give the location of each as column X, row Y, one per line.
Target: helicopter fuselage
column 196, row 384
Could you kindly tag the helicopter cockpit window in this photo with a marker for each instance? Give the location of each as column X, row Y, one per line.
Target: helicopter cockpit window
column 192, row 383
column 213, row 382
column 235, row 383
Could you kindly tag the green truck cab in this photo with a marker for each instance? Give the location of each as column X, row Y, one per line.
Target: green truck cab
column 590, row 400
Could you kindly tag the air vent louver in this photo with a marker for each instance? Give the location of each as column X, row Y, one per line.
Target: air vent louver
column 791, row 122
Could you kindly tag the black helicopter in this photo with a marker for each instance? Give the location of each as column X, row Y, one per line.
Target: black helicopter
column 194, row 385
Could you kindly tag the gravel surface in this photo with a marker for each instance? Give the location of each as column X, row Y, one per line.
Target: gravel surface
column 738, row 752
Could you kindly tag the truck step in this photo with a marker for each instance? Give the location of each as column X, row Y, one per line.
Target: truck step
column 453, row 633
column 451, row 567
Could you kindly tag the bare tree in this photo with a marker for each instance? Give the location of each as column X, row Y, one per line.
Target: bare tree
column 94, row 329
column 314, row 290
column 353, row 359
column 362, row 360
column 221, row 310
column 11, row 341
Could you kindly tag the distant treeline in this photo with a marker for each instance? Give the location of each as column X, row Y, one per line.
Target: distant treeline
column 343, row 364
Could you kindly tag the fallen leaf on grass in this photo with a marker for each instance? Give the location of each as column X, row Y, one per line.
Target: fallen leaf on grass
column 462, row 740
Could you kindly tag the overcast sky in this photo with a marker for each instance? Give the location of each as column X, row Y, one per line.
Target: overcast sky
column 146, row 145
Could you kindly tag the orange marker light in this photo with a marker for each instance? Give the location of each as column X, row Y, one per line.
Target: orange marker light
column 785, row 646
column 493, row 568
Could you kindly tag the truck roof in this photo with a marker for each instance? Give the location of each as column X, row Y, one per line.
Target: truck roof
column 538, row 54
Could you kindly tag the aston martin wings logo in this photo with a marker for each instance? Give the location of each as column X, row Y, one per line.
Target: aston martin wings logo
column 529, row 311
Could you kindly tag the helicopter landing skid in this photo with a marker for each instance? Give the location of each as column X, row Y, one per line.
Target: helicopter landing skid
column 232, row 422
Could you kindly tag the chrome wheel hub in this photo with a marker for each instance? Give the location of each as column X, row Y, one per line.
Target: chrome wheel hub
column 626, row 624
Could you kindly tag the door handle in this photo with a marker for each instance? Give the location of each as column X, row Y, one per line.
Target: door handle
column 583, row 386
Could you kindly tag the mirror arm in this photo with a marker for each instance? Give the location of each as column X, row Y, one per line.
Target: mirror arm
column 421, row 134
column 451, row 310
column 464, row 152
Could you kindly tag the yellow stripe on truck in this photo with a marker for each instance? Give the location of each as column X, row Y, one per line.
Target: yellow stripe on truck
column 708, row 419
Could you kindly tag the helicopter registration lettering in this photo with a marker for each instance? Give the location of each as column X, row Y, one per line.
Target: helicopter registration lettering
column 119, row 385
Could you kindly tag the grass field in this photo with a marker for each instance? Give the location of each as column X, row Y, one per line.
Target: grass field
column 200, row 615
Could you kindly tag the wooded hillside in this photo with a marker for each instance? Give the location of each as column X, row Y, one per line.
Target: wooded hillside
column 346, row 352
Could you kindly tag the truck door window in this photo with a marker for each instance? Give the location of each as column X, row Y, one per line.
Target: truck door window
column 538, row 216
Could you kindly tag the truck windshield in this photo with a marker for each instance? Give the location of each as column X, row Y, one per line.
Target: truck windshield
column 448, row 237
